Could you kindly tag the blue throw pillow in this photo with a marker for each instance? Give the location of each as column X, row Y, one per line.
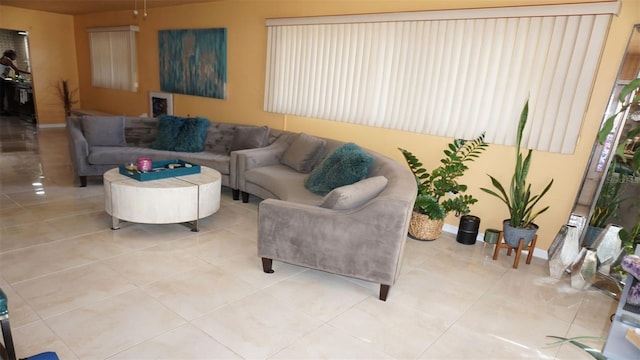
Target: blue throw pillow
column 168, row 128
column 192, row 135
column 181, row 134
column 346, row 165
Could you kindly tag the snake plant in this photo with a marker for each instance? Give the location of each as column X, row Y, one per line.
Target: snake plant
column 519, row 200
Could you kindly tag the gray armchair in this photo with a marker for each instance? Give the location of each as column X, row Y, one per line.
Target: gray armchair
column 366, row 242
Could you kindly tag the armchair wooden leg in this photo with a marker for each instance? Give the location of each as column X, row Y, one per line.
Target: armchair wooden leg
column 267, row 265
column 83, row 181
column 384, row 291
column 236, row 194
column 245, row 197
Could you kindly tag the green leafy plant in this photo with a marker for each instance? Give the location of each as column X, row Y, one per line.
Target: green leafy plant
column 439, row 191
column 520, row 202
column 629, row 98
column 609, row 200
column 630, row 239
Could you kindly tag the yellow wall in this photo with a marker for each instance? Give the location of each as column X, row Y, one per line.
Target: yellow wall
column 53, row 56
column 245, row 80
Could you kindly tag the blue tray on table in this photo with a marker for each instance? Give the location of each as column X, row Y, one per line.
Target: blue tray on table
column 161, row 170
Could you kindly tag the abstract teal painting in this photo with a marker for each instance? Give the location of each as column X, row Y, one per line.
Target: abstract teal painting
column 194, row 62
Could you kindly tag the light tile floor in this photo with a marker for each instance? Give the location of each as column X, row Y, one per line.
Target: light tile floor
column 162, row 292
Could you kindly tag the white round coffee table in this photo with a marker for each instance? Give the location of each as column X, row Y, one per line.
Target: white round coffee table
column 181, row 199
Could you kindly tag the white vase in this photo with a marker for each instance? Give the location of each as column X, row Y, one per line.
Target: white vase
column 607, row 246
column 583, row 269
column 563, row 250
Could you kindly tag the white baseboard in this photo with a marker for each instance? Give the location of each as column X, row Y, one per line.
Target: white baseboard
column 539, row 253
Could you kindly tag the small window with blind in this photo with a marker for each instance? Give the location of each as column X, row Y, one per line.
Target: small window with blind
column 113, row 57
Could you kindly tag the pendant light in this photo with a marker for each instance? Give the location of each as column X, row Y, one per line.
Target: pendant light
column 135, row 8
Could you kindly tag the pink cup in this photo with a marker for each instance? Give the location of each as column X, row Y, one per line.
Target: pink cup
column 144, row 164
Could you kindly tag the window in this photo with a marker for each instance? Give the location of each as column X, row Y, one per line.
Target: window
column 451, row 73
column 113, row 57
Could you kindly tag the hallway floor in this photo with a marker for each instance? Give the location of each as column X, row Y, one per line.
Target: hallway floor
column 85, row 291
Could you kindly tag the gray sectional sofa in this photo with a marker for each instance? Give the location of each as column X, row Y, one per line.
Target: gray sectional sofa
column 114, row 146
column 354, row 222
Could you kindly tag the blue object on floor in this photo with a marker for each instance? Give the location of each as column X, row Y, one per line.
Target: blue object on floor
column 49, row 355
column 8, row 350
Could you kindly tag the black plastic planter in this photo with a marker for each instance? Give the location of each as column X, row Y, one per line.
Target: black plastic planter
column 468, row 229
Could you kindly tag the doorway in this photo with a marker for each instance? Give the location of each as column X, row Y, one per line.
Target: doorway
column 19, row 100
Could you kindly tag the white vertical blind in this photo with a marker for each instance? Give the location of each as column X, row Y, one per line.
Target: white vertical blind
column 446, row 73
column 113, row 57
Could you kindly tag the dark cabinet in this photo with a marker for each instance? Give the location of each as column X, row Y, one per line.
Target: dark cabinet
column 19, row 99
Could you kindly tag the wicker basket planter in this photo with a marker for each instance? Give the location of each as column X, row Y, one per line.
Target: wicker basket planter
column 424, row 228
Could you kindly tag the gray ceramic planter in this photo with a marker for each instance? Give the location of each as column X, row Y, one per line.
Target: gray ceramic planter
column 513, row 235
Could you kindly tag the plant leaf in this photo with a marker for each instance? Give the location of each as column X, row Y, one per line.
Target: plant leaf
column 628, row 89
column 595, row 353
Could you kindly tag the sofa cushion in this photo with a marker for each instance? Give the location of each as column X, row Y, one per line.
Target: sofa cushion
column 104, row 130
column 140, row 131
column 112, row 155
column 354, row 195
column 344, row 166
column 304, row 153
column 250, row 137
column 285, row 183
column 220, row 138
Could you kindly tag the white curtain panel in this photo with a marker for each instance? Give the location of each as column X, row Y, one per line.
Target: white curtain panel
column 100, row 59
column 447, row 73
column 113, row 57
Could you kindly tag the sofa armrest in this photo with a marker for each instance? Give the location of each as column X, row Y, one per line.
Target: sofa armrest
column 365, row 243
column 243, row 160
column 78, row 146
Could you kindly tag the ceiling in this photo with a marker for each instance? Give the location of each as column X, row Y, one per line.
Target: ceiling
column 77, row 7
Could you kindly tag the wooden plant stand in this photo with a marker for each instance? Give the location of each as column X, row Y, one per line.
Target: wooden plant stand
column 500, row 244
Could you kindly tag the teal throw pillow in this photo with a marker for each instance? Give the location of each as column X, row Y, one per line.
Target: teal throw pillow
column 168, row 127
column 192, row 135
column 346, row 165
column 181, row 134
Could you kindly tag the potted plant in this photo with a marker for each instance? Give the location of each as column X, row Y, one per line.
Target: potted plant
column 606, row 207
column 66, row 96
column 439, row 191
column 629, row 99
column 630, row 238
column 519, row 200
column 625, row 163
